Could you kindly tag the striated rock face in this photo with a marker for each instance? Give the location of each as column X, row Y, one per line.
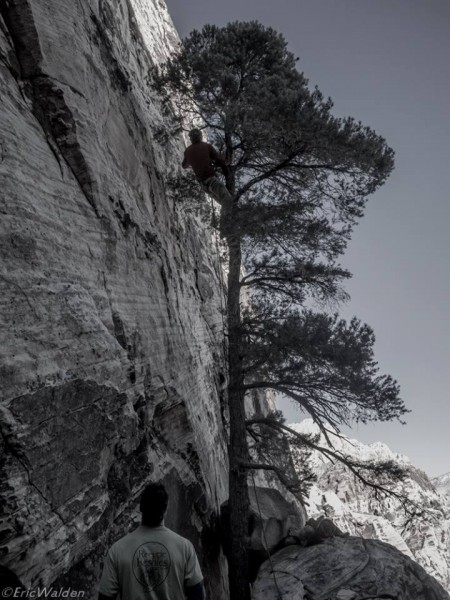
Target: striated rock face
column 345, row 569
column 111, row 362
column 354, row 509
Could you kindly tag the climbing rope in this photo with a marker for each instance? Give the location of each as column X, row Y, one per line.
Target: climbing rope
column 280, row 596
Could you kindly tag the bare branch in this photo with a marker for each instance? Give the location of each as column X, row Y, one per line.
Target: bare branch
column 353, row 466
column 288, row 483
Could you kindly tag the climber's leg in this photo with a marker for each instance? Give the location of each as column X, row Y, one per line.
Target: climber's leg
column 218, row 190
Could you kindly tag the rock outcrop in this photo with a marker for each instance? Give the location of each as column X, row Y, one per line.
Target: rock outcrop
column 273, row 518
column 111, row 362
column 345, row 569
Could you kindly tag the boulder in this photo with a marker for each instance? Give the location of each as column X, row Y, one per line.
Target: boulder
column 273, row 518
column 347, row 568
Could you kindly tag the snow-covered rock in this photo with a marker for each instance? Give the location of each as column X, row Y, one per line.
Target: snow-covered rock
column 442, row 485
column 353, row 507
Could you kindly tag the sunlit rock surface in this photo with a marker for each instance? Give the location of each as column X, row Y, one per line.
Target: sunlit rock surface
column 345, row 569
column 353, row 507
column 111, row 361
column 442, row 486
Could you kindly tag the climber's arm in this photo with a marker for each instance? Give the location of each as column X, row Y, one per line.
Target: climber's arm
column 218, row 159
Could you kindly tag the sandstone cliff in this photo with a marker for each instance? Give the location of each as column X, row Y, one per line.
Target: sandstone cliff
column 111, row 361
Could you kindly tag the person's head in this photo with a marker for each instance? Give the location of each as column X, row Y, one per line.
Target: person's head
column 154, row 501
column 195, row 135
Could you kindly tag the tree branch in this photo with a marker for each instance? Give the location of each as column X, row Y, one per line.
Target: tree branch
column 288, row 483
column 282, row 165
column 352, row 466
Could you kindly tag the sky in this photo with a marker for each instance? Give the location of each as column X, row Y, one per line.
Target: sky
column 384, row 62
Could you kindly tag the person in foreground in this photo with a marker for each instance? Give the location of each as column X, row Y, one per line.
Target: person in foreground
column 202, row 158
column 152, row 562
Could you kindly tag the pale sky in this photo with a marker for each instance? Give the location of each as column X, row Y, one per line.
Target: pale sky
column 384, row 62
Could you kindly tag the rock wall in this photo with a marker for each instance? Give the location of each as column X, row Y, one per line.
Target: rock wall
column 111, row 361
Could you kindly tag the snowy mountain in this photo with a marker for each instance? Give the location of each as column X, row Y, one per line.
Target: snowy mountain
column 354, row 508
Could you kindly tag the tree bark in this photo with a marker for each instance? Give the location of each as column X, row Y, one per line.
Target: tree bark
column 238, row 453
column 239, row 505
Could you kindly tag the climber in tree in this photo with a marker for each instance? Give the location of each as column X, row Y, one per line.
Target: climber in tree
column 202, row 157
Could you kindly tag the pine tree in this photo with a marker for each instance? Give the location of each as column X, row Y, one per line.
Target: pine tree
column 300, row 178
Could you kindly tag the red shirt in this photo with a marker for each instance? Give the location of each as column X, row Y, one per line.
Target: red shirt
column 201, row 157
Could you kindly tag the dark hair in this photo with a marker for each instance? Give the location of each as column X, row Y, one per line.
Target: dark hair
column 153, row 505
column 195, row 135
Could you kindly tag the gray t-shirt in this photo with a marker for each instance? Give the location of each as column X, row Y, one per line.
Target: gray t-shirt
column 151, row 563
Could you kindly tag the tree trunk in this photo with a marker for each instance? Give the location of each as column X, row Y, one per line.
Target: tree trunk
column 238, row 453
